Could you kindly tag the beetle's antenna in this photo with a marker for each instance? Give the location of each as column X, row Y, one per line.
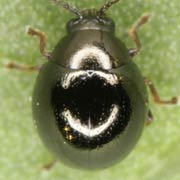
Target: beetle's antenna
column 106, row 6
column 66, row 6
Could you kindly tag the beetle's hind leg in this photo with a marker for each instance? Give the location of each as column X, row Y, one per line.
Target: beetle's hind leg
column 157, row 99
column 21, row 67
column 50, row 165
column 43, row 38
column 134, row 35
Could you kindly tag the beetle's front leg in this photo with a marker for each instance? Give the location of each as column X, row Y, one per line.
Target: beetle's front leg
column 43, row 38
column 157, row 99
column 134, row 35
column 21, row 67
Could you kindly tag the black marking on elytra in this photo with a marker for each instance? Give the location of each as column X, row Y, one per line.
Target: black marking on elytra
column 90, row 100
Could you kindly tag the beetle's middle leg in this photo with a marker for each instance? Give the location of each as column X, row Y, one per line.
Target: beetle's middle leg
column 21, row 67
column 157, row 99
column 134, row 35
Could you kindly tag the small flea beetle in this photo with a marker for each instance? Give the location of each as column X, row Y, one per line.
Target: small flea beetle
column 90, row 101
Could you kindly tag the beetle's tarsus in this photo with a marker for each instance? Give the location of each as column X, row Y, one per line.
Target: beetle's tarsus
column 157, row 99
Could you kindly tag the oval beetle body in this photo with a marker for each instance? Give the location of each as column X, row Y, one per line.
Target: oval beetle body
column 90, row 99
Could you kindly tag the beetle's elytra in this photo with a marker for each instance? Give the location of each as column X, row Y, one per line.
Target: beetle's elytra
column 92, row 97
column 90, row 101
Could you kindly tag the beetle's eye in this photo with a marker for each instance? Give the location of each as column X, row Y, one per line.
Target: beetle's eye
column 91, row 109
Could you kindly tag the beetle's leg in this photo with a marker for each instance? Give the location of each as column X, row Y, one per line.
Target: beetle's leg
column 43, row 38
column 133, row 52
column 49, row 165
column 21, row 67
column 156, row 97
column 134, row 35
column 150, row 118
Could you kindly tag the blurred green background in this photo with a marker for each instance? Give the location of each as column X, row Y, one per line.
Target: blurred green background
column 156, row 157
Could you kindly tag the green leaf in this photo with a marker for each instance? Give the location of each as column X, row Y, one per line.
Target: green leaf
column 156, row 157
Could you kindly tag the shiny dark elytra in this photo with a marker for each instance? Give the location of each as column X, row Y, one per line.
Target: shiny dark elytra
column 91, row 96
column 90, row 101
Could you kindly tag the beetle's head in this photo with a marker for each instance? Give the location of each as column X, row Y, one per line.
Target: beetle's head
column 89, row 18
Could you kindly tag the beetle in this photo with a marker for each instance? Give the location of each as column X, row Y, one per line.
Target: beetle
column 90, row 101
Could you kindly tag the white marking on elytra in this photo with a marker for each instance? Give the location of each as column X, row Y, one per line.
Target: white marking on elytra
column 90, row 52
column 88, row 130
column 70, row 77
